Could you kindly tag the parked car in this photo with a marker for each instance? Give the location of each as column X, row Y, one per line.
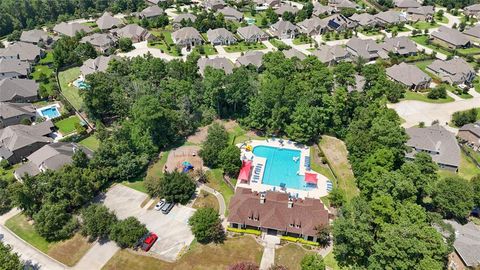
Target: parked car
column 159, row 205
column 167, row 207
column 140, row 241
column 149, row 241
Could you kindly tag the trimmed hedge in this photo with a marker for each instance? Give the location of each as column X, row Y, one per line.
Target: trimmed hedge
column 249, row 231
column 299, row 240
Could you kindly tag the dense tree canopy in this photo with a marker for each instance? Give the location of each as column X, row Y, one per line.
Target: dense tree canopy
column 176, row 187
column 453, row 197
column 8, row 259
column 217, row 140
column 127, row 232
column 312, row 262
column 97, row 221
column 207, row 226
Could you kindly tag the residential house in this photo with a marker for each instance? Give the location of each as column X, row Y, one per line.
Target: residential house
column 22, row 51
column 150, row 12
column 466, row 254
column 133, row 32
column 107, row 22
column 286, row 8
column 252, row 34
column 216, row 63
column 423, row 13
column 99, row 64
column 406, row 4
column 265, row 4
column 330, row 55
column 338, row 22
column 14, row 113
column 284, row 29
column 409, row 75
column 70, row 29
column 470, row 133
column 187, row 37
column 231, row 14
column 254, row 58
column 450, row 38
column 400, row 45
column 154, row 2
column 473, row 32
column 185, row 18
column 19, row 141
column 359, row 84
column 277, row 213
column 367, row 49
column 390, row 17
column 13, row 68
column 342, row 4
column 455, row 71
column 36, row 37
column 472, row 10
column 18, row 90
column 102, row 42
column 49, row 157
column 312, row 26
column 291, row 53
column 436, row 141
column 320, row 10
column 364, row 20
column 213, row 5
column 221, row 36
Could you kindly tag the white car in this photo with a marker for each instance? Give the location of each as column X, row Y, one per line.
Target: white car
column 160, row 204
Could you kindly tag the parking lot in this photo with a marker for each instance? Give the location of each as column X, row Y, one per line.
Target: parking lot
column 172, row 229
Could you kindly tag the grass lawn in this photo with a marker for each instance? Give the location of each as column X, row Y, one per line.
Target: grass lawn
column 423, row 40
column 441, row 20
column 316, row 164
column 91, row 142
column 277, row 43
column 337, row 155
column 215, row 181
column 67, row 125
column 198, row 257
column 258, row 17
column 41, row 69
column 155, row 171
column 468, row 51
column 239, row 135
column 208, row 49
column 422, row 25
column 398, row 29
column 47, row 59
column 206, row 199
column 467, row 169
column 68, row 90
column 290, row 256
column 300, row 40
column 90, row 24
column 331, row 262
column 455, row 90
column 8, row 173
column 68, row 252
column 476, row 84
column 243, row 47
column 410, row 95
column 371, row 32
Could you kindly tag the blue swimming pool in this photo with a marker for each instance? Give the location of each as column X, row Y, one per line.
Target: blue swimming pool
column 50, row 112
column 281, row 167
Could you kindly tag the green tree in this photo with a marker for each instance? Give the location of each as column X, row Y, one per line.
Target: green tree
column 207, row 226
column 6, row 202
column 217, row 140
column 476, row 190
column 176, row 187
column 127, row 232
column 312, row 262
column 125, row 44
column 453, row 197
column 438, row 92
column 153, row 186
column 230, row 160
column 54, row 223
column 323, row 234
column 97, row 221
column 80, row 159
column 8, row 259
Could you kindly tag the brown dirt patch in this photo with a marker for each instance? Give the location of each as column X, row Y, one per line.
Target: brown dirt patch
column 201, row 133
column 184, row 153
column 70, row 251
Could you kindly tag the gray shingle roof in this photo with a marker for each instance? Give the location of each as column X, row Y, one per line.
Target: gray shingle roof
column 34, row 36
column 107, row 21
column 216, row 63
column 473, row 128
column 407, row 4
column 364, row 19
column 339, row 22
column 229, row 12
column 184, row 16
column 400, row 45
column 99, row 64
column 472, row 8
column 132, row 31
column 15, row 66
column 441, row 144
column 408, row 75
column 9, row 110
column 390, row 17
column 467, row 242
column 220, row 33
column 70, row 29
column 286, row 8
column 281, row 27
column 22, row 51
column 151, row 11
column 342, row 4
column 19, row 136
column 359, row 84
column 10, row 88
column 185, row 34
column 314, row 24
column 366, row 48
column 251, row 58
column 319, row 9
column 327, row 54
column 100, row 40
column 251, row 31
column 455, row 70
column 423, row 10
column 473, row 31
column 452, row 36
column 294, row 53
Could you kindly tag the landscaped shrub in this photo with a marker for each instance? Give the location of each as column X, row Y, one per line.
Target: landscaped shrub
column 247, row 231
column 438, row 92
column 461, row 118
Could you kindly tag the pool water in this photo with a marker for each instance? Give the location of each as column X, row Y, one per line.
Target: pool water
column 281, row 168
column 50, row 113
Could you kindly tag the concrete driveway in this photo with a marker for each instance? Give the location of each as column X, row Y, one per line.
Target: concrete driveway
column 173, row 231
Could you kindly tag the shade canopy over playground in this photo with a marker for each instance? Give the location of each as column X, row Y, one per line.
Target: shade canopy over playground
column 311, row 178
column 244, row 174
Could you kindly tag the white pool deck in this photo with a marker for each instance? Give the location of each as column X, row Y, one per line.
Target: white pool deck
column 257, row 185
column 54, row 105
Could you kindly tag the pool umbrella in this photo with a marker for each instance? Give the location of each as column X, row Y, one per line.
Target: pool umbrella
column 311, row 178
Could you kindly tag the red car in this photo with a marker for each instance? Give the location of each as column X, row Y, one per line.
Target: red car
column 149, row 241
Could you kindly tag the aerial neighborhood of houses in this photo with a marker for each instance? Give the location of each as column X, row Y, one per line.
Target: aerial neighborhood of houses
column 281, row 193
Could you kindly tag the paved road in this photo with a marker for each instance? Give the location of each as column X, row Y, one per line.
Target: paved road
column 302, row 47
column 221, row 201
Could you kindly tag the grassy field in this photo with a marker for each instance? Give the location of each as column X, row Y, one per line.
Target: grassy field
column 467, row 169
column 69, row 91
column 422, row 25
column 67, row 125
column 198, row 257
column 316, row 163
column 467, row 51
column 258, row 17
column 90, row 142
column 68, row 252
column 204, row 200
column 208, row 49
column 155, row 171
column 47, row 59
column 290, row 256
column 422, row 40
column 336, row 153
column 410, row 95
column 277, row 43
column 331, row 262
column 215, row 181
column 239, row 135
column 243, row 47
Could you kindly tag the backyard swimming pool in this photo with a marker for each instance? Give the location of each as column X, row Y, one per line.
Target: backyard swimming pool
column 49, row 112
column 281, row 167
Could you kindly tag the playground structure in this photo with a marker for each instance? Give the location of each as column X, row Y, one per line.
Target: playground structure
column 184, row 158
